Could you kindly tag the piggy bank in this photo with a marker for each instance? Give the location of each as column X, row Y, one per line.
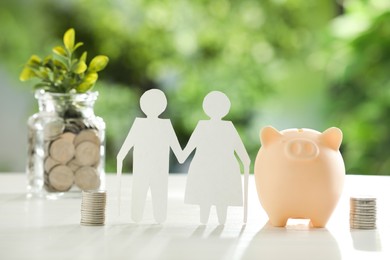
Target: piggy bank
column 299, row 173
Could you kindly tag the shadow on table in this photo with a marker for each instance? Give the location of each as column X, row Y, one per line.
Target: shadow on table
column 7, row 197
column 203, row 243
column 366, row 240
column 292, row 242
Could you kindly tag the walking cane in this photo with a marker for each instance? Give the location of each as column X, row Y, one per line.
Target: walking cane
column 119, row 164
column 246, row 176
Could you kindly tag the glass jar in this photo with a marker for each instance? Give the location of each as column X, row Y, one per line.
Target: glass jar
column 66, row 145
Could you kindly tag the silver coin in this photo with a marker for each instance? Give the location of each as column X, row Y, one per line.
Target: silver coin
column 363, row 212
column 95, row 192
column 98, row 216
column 94, row 196
column 97, row 198
column 365, row 198
column 93, row 206
column 360, row 227
column 86, row 196
column 362, row 206
column 92, row 223
column 362, row 217
column 92, row 209
column 91, row 219
column 362, row 221
column 101, row 217
column 364, row 209
column 91, row 216
column 87, row 199
column 53, row 129
column 362, row 201
column 93, row 213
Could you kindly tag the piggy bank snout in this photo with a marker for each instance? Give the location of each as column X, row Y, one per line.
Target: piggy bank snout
column 301, row 149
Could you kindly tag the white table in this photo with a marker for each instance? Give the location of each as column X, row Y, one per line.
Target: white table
column 50, row 229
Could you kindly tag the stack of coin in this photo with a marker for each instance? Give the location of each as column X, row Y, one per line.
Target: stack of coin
column 93, row 207
column 362, row 213
column 72, row 156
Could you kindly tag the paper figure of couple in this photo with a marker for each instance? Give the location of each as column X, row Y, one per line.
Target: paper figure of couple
column 214, row 177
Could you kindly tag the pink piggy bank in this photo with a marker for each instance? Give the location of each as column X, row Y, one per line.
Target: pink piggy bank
column 299, row 173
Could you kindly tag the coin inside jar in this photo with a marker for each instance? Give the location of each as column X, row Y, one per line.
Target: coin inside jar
column 61, row 178
column 62, row 150
column 69, row 136
column 74, row 165
column 87, row 178
column 50, row 163
column 87, row 135
column 53, row 129
column 87, row 153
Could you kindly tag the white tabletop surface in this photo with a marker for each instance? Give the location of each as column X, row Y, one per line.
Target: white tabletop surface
column 50, row 229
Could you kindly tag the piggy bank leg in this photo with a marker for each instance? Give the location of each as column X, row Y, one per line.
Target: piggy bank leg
column 319, row 221
column 277, row 220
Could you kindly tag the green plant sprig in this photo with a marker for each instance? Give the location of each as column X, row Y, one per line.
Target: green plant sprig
column 63, row 72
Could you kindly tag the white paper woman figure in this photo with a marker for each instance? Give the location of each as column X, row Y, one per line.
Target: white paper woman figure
column 214, row 175
column 151, row 138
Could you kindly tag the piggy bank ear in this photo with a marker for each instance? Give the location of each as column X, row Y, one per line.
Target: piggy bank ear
column 332, row 137
column 268, row 135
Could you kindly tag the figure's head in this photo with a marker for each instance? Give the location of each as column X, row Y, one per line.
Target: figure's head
column 153, row 102
column 216, row 105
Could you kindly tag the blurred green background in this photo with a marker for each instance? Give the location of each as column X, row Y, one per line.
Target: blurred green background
column 286, row 63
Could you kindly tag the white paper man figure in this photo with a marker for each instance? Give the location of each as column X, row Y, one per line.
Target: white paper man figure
column 214, row 175
column 151, row 138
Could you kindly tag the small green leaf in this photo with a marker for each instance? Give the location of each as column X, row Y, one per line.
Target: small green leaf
column 34, row 61
column 98, row 63
column 84, row 57
column 91, row 78
column 59, row 50
column 27, row 74
column 48, row 60
column 69, row 37
column 88, row 82
column 42, row 74
column 59, row 64
column 83, row 87
column 79, row 67
column 77, row 46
